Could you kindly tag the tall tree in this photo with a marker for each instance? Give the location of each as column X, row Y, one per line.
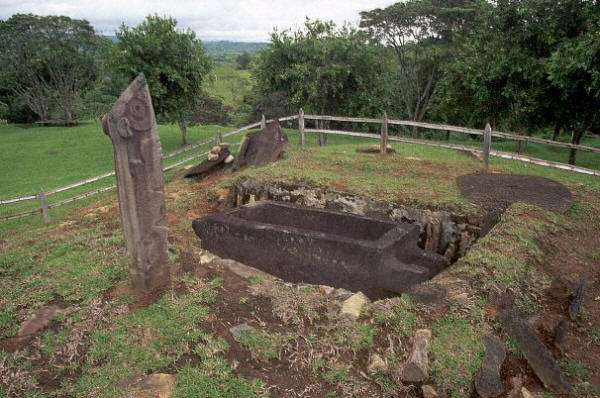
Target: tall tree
column 421, row 33
column 324, row 69
column 173, row 61
column 48, row 61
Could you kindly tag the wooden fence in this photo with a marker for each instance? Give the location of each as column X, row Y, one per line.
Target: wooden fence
column 383, row 137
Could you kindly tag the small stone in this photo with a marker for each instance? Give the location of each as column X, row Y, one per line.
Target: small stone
column 212, row 156
column 216, row 149
column 342, row 293
column 225, row 144
column 157, row 385
column 525, row 392
column 517, row 383
column 237, row 330
column 241, row 270
column 416, row 368
column 376, row 364
column 354, row 304
column 326, row 290
column 207, row 257
column 429, row 392
column 229, row 159
column 488, row 381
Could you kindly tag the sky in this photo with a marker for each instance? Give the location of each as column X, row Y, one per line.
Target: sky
column 247, row 20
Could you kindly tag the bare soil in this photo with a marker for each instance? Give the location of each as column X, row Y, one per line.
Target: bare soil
column 495, row 191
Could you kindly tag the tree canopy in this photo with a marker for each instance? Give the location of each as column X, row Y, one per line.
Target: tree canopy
column 47, row 62
column 173, row 61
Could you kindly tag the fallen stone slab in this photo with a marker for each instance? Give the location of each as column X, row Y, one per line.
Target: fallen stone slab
column 353, row 305
column 262, row 147
column 207, row 166
column 416, row 368
column 488, row 382
column 538, row 357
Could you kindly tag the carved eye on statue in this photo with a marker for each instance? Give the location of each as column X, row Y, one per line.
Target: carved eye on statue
column 138, row 114
column 123, row 128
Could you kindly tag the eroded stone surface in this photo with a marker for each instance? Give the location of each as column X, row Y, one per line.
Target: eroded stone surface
column 156, row 385
column 262, row 147
column 488, row 381
column 538, row 357
column 429, row 392
column 131, row 125
column 416, row 368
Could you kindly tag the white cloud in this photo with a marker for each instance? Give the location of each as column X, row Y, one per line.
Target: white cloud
column 249, row 20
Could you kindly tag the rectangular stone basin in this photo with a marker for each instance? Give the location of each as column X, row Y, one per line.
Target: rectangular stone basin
column 299, row 244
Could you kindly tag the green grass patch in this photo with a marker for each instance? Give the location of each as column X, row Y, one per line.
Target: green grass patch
column 458, row 349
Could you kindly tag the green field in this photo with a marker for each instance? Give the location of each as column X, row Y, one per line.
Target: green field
column 229, row 84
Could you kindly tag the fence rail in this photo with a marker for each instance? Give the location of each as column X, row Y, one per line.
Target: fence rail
column 456, row 129
column 301, row 117
column 90, row 180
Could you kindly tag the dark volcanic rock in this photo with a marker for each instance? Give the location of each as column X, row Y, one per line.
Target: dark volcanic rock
column 262, row 147
column 575, row 306
column 560, row 334
column 488, row 381
column 538, row 357
column 207, row 166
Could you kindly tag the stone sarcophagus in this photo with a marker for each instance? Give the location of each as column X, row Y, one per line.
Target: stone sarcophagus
column 131, row 126
column 299, row 244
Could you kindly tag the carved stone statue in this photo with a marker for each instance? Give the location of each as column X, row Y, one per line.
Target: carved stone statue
column 131, row 126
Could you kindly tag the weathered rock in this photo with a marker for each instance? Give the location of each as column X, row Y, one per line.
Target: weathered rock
column 488, row 381
column 538, row 357
column 575, row 306
column 428, row 293
column 374, row 149
column 262, row 147
column 229, row 159
column 525, row 393
column 353, row 305
column 416, row 368
column 429, row 392
column 157, row 385
column 131, row 125
column 209, row 165
column 376, row 364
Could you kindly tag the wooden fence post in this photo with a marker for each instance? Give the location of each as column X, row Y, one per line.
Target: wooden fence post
column 301, row 127
column 263, row 122
column 44, row 206
column 487, row 143
column 219, row 138
column 384, row 134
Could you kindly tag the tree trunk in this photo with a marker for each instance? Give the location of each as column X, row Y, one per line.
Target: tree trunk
column 68, row 117
column 415, row 132
column 521, row 146
column 576, row 137
column 183, row 128
column 557, row 127
column 447, row 135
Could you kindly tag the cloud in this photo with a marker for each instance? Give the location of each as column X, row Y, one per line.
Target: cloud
column 249, row 20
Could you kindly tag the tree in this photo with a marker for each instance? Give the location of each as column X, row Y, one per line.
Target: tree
column 421, row 33
column 243, row 60
column 529, row 64
column 324, row 69
column 48, row 61
column 173, row 61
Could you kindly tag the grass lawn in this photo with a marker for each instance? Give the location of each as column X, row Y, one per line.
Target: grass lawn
column 106, row 335
column 229, row 83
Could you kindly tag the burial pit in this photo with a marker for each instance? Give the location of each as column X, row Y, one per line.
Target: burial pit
column 305, row 234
